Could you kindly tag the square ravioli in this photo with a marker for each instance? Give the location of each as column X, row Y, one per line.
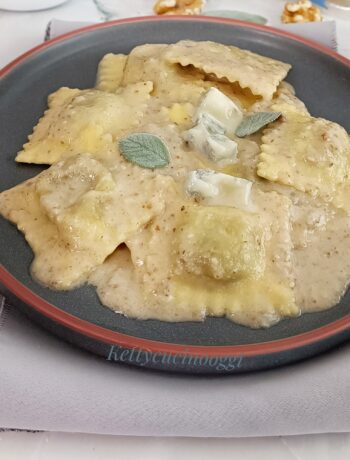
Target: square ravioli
column 91, row 207
column 259, row 300
column 251, row 283
column 84, row 121
column 260, row 74
column 222, row 243
column 309, row 154
column 172, row 82
column 83, row 213
column 55, row 264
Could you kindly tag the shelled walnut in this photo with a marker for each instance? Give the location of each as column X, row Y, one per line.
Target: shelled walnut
column 178, row 6
column 300, row 11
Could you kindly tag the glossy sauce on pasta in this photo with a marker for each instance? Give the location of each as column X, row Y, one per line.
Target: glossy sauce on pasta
column 151, row 248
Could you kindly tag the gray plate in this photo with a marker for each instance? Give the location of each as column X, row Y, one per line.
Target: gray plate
column 321, row 81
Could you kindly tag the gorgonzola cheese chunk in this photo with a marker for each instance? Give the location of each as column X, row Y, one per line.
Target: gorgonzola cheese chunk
column 222, row 108
column 208, row 138
column 218, row 189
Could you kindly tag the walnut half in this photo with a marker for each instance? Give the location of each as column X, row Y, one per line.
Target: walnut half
column 300, row 11
column 178, row 6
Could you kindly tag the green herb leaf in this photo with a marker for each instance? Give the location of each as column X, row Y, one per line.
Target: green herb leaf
column 145, row 150
column 255, row 122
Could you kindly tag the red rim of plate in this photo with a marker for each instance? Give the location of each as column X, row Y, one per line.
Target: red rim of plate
column 111, row 337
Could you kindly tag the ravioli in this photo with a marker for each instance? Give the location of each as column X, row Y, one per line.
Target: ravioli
column 84, row 121
column 147, row 63
column 258, row 73
column 84, row 212
column 56, row 264
column 214, row 279
column 91, row 207
column 309, row 154
column 110, row 72
column 222, row 243
column 261, row 297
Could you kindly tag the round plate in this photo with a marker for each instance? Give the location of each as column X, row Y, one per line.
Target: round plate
column 321, row 78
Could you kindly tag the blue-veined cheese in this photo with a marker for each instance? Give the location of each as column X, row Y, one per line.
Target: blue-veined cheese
column 222, row 108
column 208, row 137
column 218, row 189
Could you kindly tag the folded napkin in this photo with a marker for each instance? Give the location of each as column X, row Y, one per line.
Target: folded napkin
column 46, row 384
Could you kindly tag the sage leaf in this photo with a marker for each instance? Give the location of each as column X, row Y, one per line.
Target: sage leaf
column 145, row 150
column 255, row 122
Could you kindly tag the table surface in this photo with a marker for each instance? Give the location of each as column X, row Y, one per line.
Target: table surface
column 18, row 33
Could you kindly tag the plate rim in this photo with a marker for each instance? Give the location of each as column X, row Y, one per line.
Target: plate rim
column 108, row 336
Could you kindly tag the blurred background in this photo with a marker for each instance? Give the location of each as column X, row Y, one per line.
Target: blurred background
column 25, row 23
